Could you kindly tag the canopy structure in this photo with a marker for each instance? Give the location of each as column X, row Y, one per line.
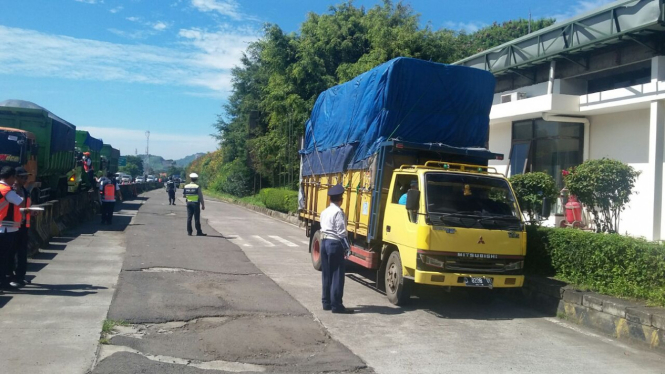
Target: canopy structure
column 403, row 99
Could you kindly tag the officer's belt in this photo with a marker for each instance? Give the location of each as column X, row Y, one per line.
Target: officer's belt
column 330, row 237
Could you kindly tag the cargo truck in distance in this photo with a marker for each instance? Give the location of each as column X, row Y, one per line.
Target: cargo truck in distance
column 407, row 140
column 50, row 140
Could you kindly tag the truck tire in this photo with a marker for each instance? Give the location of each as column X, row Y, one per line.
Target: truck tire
column 398, row 289
column 315, row 250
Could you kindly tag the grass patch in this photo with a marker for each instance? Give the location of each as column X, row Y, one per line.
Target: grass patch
column 252, row 200
column 107, row 327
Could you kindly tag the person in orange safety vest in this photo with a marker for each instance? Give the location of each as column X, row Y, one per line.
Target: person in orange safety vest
column 108, row 187
column 10, row 222
column 21, row 247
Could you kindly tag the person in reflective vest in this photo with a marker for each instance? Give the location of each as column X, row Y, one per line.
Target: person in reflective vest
column 170, row 190
column 194, row 197
column 10, row 222
column 108, row 187
column 21, row 247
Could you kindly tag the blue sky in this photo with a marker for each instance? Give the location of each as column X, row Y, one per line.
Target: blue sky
column 120, row 67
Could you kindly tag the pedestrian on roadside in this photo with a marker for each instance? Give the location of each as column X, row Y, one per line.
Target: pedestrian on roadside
column 170, row 190
column 194, row 197
column 334, row 246
column 10, row 221
column 21, row 247
column 108, row 187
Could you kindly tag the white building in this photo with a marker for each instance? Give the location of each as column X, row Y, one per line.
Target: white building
column 587, row 88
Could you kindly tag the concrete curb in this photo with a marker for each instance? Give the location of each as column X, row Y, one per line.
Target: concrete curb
column 622, row 319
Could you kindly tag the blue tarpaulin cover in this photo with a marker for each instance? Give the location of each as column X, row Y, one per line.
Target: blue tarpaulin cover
column 406, row 99
column 93, row 143
column 63, row 133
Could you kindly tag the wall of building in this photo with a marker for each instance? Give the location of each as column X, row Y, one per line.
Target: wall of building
column 624, row 136
column 500, row 141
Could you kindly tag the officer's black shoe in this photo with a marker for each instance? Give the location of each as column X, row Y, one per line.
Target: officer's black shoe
column 327, row 308
column 201, row 234
column 343, row 311
column 189, row 233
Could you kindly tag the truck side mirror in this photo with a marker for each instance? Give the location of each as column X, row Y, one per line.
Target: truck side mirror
column 412, row 199
column 547, row 207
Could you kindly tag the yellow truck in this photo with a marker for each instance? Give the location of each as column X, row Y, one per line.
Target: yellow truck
column 423, row 212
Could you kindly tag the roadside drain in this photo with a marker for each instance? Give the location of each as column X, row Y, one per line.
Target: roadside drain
column 236, row 367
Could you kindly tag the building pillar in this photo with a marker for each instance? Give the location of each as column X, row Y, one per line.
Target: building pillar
column 656, row 140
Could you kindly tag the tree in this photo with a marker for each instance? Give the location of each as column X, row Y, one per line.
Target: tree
column 604, row 186
column 531, row 190
column 135, row 164
column 130, row 169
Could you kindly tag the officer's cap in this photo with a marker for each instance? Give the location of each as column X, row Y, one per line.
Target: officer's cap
column 336, row 190
column 193, row 175
column 414, row 183
column 20, row 171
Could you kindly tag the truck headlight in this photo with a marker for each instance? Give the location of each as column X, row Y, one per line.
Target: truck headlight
column 514, row 265
column 429, row 260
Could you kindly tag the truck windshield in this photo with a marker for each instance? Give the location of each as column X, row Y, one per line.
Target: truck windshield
column 473, row 201
column 10, row 149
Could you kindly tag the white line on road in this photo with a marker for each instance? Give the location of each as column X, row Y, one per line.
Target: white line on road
column 239, row 241
column 267, row 243
column 283, row 241
column 299, row 239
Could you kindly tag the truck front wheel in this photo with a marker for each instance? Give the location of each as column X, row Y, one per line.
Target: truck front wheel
column 398, row 289
column 315, row 250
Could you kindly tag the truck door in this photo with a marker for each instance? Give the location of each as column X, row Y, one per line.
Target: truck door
column 400, row 225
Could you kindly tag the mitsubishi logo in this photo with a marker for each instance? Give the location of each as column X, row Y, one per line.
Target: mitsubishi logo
column 481, row 241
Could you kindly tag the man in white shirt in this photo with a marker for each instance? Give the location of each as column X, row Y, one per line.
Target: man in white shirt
column 10, row 221
column 334, row 245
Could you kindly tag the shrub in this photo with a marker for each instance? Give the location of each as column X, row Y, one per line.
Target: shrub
column 611, row 264
column 279, row 199
column 604, row 186
column 531, row 189
column 234, row 178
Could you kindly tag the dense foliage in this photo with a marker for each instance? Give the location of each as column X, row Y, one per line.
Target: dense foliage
column 281, row 75
column 611, row 264
column 531, row 189
column 604, row 186
column 279, row 199
column 134, row 166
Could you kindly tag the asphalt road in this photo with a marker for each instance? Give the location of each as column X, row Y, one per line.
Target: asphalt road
column 439, row 332
column 198, row 305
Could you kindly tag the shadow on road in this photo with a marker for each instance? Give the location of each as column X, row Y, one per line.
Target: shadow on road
column 75, row 290
column 458, row 303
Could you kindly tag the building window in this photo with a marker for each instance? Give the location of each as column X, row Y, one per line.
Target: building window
column 539, row 145
column 619, row 80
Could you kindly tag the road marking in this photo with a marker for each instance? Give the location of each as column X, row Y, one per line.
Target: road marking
column 299, row 239
column 267, row 243
column 238, row 240
column 283, row 241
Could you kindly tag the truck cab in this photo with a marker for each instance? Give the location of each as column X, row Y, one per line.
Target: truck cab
column 19, row 148
column 454, row 225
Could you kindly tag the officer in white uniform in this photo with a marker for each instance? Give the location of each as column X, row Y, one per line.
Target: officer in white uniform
column 334, row 246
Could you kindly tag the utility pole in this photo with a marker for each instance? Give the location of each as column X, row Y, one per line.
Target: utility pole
column 529, row 21
column 146, row 169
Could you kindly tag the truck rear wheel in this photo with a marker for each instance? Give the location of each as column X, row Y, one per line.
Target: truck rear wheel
column 398, row 289
column 315, row 250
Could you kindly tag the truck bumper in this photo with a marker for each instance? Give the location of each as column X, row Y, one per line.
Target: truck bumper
column 457, row 279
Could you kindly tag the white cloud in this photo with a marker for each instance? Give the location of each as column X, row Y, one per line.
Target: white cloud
column 90, row 1
column 581, row 7
column 133, row 19
column 227, row 8
column 116, row 9
column 169, row 146
column 469, row 27
column 203, row 59
column 160, row 26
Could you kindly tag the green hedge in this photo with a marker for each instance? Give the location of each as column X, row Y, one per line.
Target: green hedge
column 607, row 263
column 279, row 199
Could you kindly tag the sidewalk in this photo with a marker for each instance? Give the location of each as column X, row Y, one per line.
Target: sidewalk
column 53, row 324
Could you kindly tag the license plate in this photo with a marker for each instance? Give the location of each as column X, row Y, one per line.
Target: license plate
column 478, row 282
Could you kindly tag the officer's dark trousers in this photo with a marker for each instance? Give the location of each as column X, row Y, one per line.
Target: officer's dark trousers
column 107, row 211
column 193, row 210
column 333, row 269
column 21, row 254
column 171, row 196
column 7, row 249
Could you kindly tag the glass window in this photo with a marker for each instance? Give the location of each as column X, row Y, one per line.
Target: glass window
column 553, row 147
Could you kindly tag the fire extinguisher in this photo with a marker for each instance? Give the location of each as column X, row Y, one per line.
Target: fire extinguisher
column 573, row 210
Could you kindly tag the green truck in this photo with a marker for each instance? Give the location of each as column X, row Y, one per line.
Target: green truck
column 85, row 143
column 55, row 141
column 110, row 157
